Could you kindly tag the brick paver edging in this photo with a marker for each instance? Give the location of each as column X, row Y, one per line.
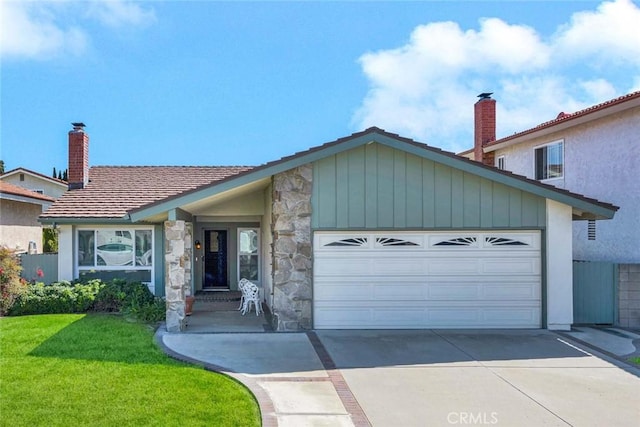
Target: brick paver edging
column 344, row 392
column 267, row 409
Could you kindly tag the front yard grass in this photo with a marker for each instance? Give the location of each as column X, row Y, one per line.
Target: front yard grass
column 62, row 370
column 635, row 360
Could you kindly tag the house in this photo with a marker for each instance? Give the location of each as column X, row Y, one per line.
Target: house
column 369, row 231
column 36, row 182
column 595, row 151
column 21, row 209
column 19, row 226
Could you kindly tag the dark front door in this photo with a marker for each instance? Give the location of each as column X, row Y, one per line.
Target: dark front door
column 215, row 260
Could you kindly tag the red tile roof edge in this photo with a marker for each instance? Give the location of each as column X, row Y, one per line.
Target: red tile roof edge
column 564, row 117
column 15, row 190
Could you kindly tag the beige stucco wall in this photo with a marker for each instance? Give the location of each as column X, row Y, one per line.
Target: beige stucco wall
column 19, row 225
column 34, row 183
column 602, row 161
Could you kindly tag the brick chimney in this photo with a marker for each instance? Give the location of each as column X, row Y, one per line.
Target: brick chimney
column 78, row 157
column 484, row 128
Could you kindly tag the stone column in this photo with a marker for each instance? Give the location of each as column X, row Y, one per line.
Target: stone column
column 177, row 250
column 291, row 227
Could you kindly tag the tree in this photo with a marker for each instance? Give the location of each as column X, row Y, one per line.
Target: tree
column 65, row 176
column 54, row 172
column 59, row 174
column 49, row 240
column 1, row 167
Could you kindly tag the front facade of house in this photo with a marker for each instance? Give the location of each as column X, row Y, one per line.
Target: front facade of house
column 594, row 151
column 369, row 231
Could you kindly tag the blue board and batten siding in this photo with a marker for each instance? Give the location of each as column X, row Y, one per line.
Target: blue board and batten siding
column 378, row 187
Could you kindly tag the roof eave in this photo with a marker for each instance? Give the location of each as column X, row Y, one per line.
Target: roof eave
column 84, row 220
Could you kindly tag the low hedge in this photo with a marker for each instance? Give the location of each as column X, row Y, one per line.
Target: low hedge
column 133, row 299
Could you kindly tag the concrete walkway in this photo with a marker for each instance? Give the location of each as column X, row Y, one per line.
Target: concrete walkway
column 423, row 377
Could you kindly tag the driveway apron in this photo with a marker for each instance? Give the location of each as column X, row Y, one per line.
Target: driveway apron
column 510, row 378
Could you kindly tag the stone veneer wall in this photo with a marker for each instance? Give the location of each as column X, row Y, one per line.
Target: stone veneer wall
column 629, row 295
column 177, row 250
column 291, row 228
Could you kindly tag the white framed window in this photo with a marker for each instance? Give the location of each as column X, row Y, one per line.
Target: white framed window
column 501, row 162
column 249, row 254
column 549, row 161
column 122, row 252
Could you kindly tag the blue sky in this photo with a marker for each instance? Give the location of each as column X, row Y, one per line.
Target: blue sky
column 243, row 83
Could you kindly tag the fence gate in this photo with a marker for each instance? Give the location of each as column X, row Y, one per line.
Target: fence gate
column 40, row 267
column 594, row 292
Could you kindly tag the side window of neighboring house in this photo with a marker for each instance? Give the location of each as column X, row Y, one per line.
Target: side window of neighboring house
column 500, row 162
column 549, row 161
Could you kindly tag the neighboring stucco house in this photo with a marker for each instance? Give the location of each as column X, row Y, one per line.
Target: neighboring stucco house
column 595, row 151
column 36, row 182
column 369, row 231
column 19, row 211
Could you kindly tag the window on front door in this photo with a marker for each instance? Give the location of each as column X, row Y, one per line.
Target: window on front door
column 549, row 161
column 248, row 254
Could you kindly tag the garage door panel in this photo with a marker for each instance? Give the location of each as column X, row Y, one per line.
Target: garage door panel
column 433, row 279
column 449, row 267
column 511, row 291
column 511, row 266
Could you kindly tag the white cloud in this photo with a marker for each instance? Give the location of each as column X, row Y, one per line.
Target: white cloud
column 611, row 33
column 30, row 31
column 426, row 88
column 119, row 13
column 42, row 30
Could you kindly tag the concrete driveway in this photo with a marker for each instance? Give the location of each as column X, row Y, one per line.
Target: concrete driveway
column 511, row 378
column 421, row 377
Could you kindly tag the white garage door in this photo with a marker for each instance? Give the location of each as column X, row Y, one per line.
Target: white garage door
column 427, row 280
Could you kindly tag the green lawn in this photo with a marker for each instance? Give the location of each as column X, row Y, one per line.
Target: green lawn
column 78, row 370
column 636, row 360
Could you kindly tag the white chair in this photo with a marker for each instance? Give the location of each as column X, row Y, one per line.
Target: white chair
column 251, row 294
column 241, row 284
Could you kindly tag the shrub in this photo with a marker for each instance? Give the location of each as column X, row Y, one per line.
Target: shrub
column 111, row 296
column 61, row 297
column 118, row 295
column 11, row 284
column 133, row 299
column 150, row 312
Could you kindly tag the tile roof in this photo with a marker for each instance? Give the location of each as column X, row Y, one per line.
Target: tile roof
column 6, row 188
column 564, row 117
column 113, row 191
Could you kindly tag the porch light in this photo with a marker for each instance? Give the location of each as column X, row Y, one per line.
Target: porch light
column 197, row 244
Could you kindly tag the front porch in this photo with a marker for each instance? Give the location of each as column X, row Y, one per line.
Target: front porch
column 219, row 313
